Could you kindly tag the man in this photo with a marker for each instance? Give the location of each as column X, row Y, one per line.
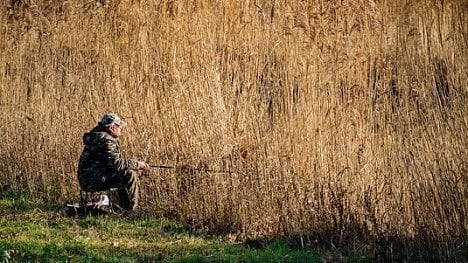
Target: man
column 102, row 166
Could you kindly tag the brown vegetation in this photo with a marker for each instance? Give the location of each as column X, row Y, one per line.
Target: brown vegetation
column 344, row 119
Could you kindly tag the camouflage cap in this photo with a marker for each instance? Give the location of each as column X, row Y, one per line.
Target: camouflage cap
column 110, row 118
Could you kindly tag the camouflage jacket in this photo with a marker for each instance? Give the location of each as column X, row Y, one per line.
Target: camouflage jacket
column 101, row 156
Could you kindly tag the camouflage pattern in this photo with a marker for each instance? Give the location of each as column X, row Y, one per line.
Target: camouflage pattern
column 102, row 167
column 110, row 118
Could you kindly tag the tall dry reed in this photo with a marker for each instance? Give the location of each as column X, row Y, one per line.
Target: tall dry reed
column 344, row 119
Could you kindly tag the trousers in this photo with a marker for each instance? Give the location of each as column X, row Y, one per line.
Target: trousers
column 126, row 182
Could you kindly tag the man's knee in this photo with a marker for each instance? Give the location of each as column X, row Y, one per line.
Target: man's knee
column 130, row 177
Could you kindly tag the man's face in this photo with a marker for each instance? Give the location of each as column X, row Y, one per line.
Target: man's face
column 116, row 130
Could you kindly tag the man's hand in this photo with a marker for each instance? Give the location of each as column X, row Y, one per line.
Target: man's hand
column 143, row 166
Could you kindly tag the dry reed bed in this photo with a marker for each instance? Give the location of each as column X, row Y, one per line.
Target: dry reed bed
column 342, row 118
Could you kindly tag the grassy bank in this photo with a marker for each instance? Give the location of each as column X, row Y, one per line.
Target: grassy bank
column 31, row 232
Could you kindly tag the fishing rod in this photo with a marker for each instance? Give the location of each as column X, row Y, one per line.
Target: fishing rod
column 167, row 166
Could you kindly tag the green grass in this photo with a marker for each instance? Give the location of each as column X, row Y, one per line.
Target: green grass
column 32, row 232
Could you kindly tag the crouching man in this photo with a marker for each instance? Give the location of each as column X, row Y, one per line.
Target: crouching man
column 102, row 166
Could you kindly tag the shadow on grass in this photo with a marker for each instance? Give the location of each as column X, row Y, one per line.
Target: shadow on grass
column 358, row 245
